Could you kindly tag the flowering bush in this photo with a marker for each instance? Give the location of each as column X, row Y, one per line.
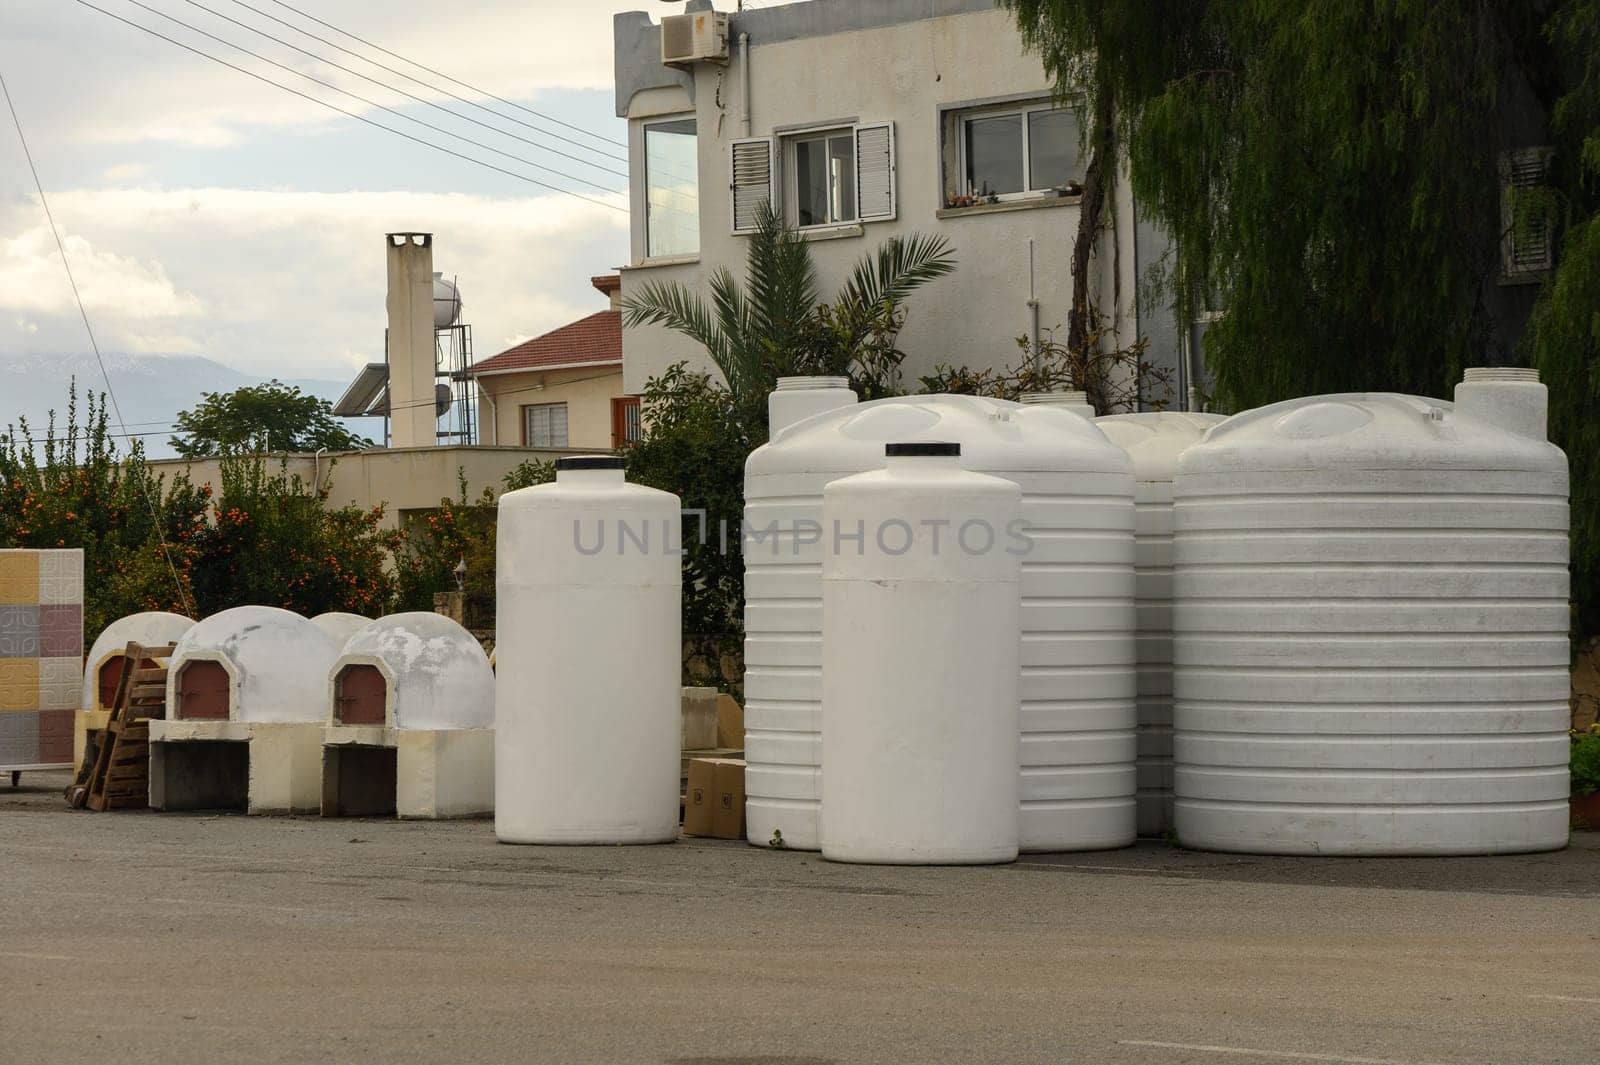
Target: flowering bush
column 73, row 488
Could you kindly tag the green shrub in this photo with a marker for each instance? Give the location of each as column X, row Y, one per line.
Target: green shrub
column 1586, row 761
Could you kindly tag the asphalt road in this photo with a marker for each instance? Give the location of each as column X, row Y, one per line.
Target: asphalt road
column 134, row 937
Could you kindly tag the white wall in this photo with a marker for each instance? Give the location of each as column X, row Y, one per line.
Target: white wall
column 903, row 73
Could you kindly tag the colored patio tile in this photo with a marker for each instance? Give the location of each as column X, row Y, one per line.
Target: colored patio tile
column 61, row 631
column 19, row 576
column 19, row 631
column 61, row 577
column 19, row 684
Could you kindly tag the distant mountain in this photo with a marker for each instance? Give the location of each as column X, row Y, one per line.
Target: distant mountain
column 150, row 390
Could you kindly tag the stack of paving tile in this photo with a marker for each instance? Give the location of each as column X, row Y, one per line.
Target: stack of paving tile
column 41, row 656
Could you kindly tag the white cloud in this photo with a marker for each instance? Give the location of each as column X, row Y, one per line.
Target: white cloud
column 32, row 279
column 292, row 283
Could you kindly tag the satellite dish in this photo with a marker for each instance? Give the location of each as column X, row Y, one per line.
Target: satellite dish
column 442, row 399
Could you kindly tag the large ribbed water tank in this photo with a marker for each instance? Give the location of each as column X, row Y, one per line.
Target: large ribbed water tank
column 1077, row 682
column 1154, row 440
column 1371, row 630
column 588, row 711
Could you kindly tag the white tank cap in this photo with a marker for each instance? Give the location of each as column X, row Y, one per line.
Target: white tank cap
column 1510, row 397
column 1075, row 400
column 798, row 398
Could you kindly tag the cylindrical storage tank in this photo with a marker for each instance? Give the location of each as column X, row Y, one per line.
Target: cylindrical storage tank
column 920, row 637
column 1076, row 653
column 1371, row 633
column 1076, row 401
column 446, row 302
column 1154, row 440
column 798, row 398
column 587, row 696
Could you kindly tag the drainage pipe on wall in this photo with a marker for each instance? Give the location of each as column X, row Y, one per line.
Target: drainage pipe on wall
column 744, row 89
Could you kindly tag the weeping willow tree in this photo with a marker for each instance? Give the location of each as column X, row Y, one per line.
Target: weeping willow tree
column 1330, row 173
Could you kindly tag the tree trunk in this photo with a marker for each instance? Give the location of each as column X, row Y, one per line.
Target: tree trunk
column 1102, row 162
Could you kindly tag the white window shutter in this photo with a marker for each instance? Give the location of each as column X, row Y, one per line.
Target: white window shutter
column 875, row 171
column 752, row 182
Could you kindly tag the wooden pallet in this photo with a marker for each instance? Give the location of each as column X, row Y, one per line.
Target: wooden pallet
column 117, row 775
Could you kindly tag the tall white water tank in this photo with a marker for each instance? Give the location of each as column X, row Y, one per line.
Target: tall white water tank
column 1371, row 632
column 446, row 302
column 587, row 692
column 921, row 630
column 1077, row 655
column 1154, row 440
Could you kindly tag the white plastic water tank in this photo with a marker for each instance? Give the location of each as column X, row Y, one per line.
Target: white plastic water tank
column 1077, row 655
column 436, row 672
column 276, row 663
column 446, row 302
column 1154, row 440
column 798, row 398
column 921, row 630
column 587, row 696
column 1371, row 632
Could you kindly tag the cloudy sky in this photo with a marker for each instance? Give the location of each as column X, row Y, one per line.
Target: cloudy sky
column 207, row 213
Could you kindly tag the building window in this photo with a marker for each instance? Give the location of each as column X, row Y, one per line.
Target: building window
column 1527, row 244
column 626, row 425
column 544, row 425
column 1012, row 151
column 823, row 186
column 671, row 189
column 821, row 177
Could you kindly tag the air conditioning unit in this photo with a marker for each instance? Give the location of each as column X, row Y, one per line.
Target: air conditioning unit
column 698, row 37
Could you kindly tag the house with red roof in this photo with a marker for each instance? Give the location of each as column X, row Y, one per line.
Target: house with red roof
column 562, row 389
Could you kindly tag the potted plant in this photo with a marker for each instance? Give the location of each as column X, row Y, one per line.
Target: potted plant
column 1586, row 777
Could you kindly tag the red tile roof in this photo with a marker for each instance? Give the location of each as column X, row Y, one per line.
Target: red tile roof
column 589, row 341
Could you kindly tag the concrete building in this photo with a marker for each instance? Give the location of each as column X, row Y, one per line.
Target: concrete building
column 563, row 389
column 403, row 479
column 863, row 120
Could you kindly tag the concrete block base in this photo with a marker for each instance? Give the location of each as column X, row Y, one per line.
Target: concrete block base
column 83, row 723
column 421, row 774
column 195, row 765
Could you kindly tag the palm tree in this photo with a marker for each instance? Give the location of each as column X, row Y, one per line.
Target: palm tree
column 774, row 326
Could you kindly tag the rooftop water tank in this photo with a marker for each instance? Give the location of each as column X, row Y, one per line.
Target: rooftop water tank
column 1077, row 681
column 1371, row 628
column 588, row 714
column 798, row 398
column 1154, row 440
column 920, row 641
column 446, row 302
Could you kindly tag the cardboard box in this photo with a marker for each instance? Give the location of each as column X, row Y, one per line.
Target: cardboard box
column 730, row 722
column 713, row 803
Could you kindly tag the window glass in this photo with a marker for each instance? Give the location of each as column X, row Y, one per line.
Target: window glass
column 546, row 425
column 672, row 194
column 1052, row 148
column 811, row 183
column 994, row 154
column 842, row 178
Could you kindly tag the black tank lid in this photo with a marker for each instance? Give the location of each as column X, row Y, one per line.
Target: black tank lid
column 922, row 449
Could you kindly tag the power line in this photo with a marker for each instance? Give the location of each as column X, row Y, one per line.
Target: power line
column 155, row 517
column 447, row 77
column 429, row 85
column 351, row 114
column 370, row 103
column 396, row 89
